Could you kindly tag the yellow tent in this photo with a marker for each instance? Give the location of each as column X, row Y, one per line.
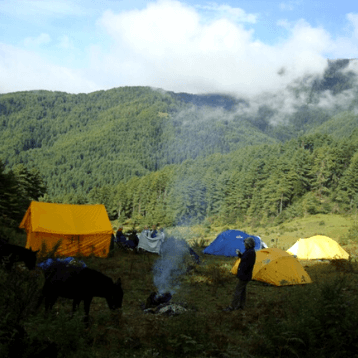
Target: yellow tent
column 277, row 267
column 82, row 229
column 318, row 247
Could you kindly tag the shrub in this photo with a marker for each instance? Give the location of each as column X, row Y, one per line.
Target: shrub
column 45, row 253
column 352, row 235
column 68, row 335
column 25, row 334
column 19, row 294
column 199, row 243
column 319, row 322
column 217, row 275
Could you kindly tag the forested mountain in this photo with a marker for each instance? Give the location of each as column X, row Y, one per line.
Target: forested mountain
column 153, row 155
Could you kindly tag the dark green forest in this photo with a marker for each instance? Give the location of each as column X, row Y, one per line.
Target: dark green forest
column 151, row 155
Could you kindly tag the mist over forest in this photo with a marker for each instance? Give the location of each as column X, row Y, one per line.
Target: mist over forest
column 153, row 155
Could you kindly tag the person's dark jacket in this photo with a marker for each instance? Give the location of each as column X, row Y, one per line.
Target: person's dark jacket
column 120, row 237
column 246, row 266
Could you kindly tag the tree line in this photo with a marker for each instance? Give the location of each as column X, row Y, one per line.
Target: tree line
column 18, row 187
column 258, row 184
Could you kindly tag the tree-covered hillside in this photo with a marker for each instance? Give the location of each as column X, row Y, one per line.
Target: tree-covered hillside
column 86, row 141
column 257, row 184
column 168, row 157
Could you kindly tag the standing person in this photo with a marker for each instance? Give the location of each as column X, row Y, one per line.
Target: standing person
column 244, row 274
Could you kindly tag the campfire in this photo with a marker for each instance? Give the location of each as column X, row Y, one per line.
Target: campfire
column 160, row 304
column 167, row 270
column 155, row 299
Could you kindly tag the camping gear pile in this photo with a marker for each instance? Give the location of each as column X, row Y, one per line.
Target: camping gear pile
column 68, row 262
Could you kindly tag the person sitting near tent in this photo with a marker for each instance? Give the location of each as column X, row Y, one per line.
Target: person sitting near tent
column 151, row 241
column 120, row 237
column 154, row 231
column 161, row 233
column 244, row 274
column 146, row 231
column 133, row 239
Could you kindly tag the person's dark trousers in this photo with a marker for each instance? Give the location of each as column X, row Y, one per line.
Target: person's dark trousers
column 239, row 299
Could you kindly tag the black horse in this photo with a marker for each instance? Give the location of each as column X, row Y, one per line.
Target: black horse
column 9, row 254
column 79, row 284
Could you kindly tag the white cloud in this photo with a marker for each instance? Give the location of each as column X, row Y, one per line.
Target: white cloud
column 65, row 43
column 289, row 5
column 284, row 23
column 347, row 46
column 232, row 13
column 353, row 19
column 34, row 73
column 166, row 45
column 342, row 100
column 40, row 40
column 174, row 46
column 31, row 10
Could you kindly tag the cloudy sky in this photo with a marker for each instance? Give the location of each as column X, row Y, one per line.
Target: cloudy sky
column 195, row 46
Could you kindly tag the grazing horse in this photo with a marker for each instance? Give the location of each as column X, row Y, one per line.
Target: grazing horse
column 79, row 284
column 9, row 254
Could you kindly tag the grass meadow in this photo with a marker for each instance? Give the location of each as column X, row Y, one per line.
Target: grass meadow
column 317, row 319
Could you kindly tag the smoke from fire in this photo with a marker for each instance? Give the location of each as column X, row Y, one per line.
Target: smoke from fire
column 171, row 265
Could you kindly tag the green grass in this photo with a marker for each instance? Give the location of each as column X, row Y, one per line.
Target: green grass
column 286, row 234
column 316, row 319
column 206, row 330
column 283, row 236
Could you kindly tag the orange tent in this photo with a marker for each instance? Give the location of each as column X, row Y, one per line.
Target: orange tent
column 318, row 247
column 277, row 267
column 82, row 229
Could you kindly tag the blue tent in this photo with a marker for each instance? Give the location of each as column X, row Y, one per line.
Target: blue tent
column 228, row 241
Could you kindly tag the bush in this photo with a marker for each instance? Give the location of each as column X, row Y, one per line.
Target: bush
column 46, row 253
column 19, row 295
column 217, row 275
column 199, row 243
column 25, row 332
column 319, row 322
column 352, row 235
column 67, row 336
